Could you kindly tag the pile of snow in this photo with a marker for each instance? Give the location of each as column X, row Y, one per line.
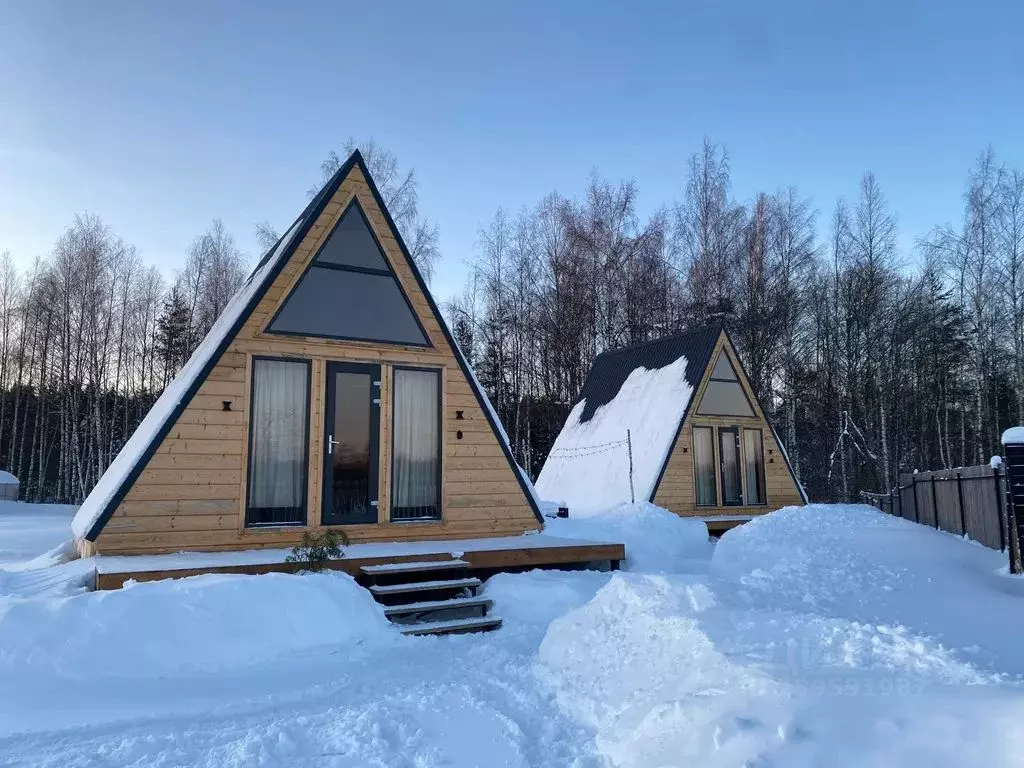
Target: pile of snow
column 855, row 564
column 206, row 623
column 588, row 465
column 1014, row 436
column 657, row 541
column 678, row 670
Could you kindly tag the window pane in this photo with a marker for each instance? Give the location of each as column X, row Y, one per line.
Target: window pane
column 753, row 453
column 704, row 466
column 416, row 475
column 278, row 443
column 351, row 457
column 352, row 244
column 723, row 369
column 350, row 305
column 725, row 398
column 732, row 492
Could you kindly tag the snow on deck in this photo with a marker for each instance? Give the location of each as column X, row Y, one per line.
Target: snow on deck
column 588, row 466
column 181, row 561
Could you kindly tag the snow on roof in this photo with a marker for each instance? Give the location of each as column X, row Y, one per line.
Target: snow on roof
column 588, row 465
column 123, row 464
column 1013, row 436
column 6, row 478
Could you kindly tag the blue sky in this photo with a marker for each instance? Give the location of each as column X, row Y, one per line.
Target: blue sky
column 161, row 116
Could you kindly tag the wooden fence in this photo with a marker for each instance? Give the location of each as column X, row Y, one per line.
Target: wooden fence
column 969, row 500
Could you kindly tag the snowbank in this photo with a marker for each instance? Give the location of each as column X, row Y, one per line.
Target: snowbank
column 588, row 465
column 908, row 586
column 664, row 672
column 657, row 541
column 635, row 666
column 206, row 623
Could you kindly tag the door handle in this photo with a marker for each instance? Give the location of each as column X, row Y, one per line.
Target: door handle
column 331, row 442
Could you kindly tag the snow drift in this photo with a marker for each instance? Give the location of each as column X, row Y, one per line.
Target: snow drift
column 200, row 624
column 657, row 541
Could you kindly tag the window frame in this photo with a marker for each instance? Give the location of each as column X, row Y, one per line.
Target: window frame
column 375, row 372
column 714, row 464
column 720, row 380
column 304, row 502
column 382, row 273
column 735, row 431
column 439, row 373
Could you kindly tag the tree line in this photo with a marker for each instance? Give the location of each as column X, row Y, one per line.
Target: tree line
column 869, row 360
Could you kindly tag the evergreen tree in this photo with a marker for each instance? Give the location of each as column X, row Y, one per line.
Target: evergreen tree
column 172, row 334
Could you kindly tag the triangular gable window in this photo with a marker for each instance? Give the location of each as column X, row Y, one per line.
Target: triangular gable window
column 350, row 292
column 724, row 395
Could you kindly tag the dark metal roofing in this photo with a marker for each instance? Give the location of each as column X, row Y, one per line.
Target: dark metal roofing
column 612, row 368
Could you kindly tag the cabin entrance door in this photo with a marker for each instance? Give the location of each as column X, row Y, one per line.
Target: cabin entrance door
column 351, row 443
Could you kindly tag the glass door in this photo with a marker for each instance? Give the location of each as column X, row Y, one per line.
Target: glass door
column 351, row 440
column 729, row 458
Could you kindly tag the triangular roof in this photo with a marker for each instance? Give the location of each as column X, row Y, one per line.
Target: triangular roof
column 647, row 389
column 108, row 493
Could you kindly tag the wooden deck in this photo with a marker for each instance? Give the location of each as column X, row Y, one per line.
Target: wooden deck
column 719, row 524
column 485, row 556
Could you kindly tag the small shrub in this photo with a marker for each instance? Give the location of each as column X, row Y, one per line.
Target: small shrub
column 317, row 549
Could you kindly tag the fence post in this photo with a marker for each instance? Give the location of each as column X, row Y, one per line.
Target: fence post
column 935, row 503
column 629, row 448
column 999, row 510
column 960, row 503
column 1013, row 463
column 917, row 509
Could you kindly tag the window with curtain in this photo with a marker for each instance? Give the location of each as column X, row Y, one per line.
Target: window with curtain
column 753, row 460
column 704, row 466
column 278, row 442
column 416, row 443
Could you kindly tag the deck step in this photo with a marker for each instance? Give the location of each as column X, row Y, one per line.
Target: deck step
column 379, row 590
column 454, row 627
column 413, row 567
column 439, row 605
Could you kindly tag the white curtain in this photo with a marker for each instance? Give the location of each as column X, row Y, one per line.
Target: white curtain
column 415, row 481
column 279, row 443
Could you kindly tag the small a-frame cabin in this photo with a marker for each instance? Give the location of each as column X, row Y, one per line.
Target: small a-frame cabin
column 329, row 394
column 673, row 422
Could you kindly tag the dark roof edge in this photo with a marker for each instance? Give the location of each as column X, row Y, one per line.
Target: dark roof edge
column 459, row 357
column 673, row 337
column 309, row 216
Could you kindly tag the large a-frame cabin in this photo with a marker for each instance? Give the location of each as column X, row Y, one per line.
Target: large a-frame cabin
column 329, row 394
column 699, row 440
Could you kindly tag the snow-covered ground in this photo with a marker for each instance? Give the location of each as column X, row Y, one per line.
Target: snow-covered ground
column 817, row 636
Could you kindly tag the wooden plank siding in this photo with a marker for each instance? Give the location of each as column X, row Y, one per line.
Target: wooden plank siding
column 676, row 490
column 192, row 493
